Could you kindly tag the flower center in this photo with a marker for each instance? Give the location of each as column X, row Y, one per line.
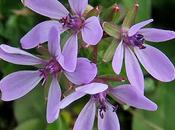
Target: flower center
column 73, row 22
column 52, row 67
column 102, row 102
column 135, row 40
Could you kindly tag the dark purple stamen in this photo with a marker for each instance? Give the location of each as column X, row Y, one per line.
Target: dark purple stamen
column 136, row 40
column 52, row 67
column 73, row 22
column 102, row 109
column 101, row 100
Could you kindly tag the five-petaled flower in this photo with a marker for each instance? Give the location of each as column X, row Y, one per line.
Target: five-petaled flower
column 90, row 28
column 17, row 84
column 154, row 61
column 107, row 118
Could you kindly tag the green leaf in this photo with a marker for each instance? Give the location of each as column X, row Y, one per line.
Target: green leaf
column 60, row 124
column 32, row 124
column 149, row 85
column 7, row 6
column 128, row 3
column 163, row 118
column 144, row 11
column 31, row 106
column 104, row 3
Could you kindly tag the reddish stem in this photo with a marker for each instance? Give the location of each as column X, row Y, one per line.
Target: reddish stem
column 112, row 78
column 95, row 53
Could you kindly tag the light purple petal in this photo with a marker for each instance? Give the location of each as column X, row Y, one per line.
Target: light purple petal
column 92, row 88
column 157, row 35
column 54, row 98
column 135, row 28
column 133, row 70
column 92, row 31
column 84, row 73
column 110, row 120
column 18, row 56
column 156, row 63
column 18, row 84
column 39, row 34
column 71, row 98
column 78, row 6
column 54, row 43
column 48, row 8
column 70, row 52
column 117, row 61
column 132, row 96
column 86, row 117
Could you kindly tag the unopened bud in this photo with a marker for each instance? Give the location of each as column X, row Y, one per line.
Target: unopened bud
column 115, row 13
column 111, row 14
column 94, row 12
column 116, row 8
column 131, row 16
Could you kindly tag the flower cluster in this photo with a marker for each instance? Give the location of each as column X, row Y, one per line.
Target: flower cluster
column 81, row 72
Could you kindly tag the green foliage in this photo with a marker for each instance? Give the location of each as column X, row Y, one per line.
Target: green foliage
column 163, row 118
column 31, row 106
column 30, row 110
column 32, row 124
column 60, row 124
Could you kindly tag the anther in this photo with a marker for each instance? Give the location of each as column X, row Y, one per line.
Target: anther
column 101, row 113
column 102, row 109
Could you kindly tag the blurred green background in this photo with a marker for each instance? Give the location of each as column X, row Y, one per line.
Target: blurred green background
column 28, row 113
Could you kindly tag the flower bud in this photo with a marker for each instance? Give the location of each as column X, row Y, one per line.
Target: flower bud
column 130, row 17
column 111, row 14
column 94, row 12
column 115, row 13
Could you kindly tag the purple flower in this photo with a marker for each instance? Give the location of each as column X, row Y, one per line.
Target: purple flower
column 154, row 61
column 90, row 28
column 17, row 84
column 107, row 118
